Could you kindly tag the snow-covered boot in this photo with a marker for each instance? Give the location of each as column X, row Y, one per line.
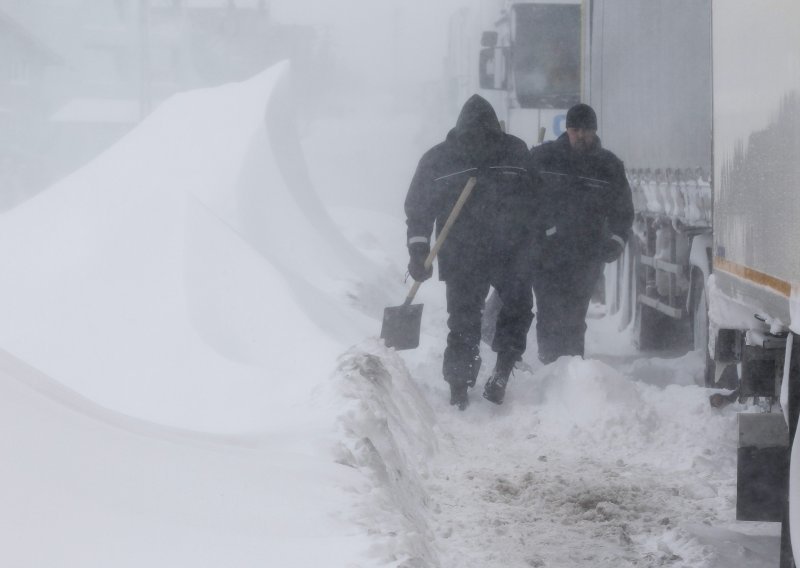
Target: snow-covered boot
column 459, row 396
column 495, row 389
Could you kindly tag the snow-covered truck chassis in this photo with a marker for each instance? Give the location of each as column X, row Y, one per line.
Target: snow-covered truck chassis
column 658, row 285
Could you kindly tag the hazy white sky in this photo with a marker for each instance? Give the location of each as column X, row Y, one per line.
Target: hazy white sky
column 392, row 38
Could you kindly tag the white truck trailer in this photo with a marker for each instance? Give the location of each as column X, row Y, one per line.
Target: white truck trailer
column 701, row 99
column 648, row 76
column 753, row 291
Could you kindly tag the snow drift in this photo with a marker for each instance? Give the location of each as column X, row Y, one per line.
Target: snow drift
column 180, row 276
column 170, row 342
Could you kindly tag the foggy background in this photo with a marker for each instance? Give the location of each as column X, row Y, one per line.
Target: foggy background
column 76, row 75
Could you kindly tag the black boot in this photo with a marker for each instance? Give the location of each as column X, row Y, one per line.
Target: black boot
column 495, row 389
column 459, row 396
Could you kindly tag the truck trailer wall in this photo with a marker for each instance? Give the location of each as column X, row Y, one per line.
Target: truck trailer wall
column 649, row 79
column 757, row 148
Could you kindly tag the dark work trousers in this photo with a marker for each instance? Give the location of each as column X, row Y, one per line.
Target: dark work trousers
column 563, row 294
column 466, row 295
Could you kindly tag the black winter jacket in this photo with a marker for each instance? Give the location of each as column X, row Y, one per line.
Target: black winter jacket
column 585, row 199
column 494, row 226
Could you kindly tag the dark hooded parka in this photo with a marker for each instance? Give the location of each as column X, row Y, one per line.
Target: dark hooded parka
column 585, row 205
column 490, row 242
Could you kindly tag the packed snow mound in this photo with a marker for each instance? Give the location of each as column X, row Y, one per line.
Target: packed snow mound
column 86, row 486
column 189, row 275
column 590, row 407
column 587, row 394
column 388, row 432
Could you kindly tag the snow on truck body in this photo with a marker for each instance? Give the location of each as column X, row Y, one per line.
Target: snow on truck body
column 686, row 128
column 756, row 140
column 648, row 75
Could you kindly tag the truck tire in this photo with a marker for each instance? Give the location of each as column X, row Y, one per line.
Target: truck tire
column 646, row 329
column 655, row 331
column 699, row 313
column 729, row 379
column 700, row 326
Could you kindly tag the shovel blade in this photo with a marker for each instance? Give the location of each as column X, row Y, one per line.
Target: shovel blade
column 401, row 325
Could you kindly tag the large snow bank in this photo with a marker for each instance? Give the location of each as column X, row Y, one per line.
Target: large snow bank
column 189, row 275
column 85, row 486
column 173, row 389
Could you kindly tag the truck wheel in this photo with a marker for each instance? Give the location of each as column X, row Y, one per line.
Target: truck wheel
column 645, row 328
column 729, row 377
column 700, row 326
column 654, row 331
column 699, row 314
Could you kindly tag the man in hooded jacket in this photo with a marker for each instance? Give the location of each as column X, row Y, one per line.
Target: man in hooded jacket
column 489, row 244
column 587, row 211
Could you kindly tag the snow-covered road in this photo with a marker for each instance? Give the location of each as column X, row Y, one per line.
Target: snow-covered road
column 521, row 486
column 585, row 464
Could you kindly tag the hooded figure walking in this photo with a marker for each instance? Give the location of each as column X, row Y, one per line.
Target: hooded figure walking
column 587, row 212
column 489, row 244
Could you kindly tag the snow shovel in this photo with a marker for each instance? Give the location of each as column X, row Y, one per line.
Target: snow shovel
column 401, row 324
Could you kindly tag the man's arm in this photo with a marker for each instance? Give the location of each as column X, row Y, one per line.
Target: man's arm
column 620, row 212
column 419, row 205
column 619, row 217
column 420, row 216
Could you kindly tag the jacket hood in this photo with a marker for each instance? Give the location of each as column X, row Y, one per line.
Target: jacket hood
column 477, row 115
column 477, row 133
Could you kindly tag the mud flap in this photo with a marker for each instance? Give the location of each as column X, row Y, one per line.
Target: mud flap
column 762, row 468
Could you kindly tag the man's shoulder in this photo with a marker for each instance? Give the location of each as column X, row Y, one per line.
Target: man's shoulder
column 610, row 157
column 547, row 152
column 515, row 142
column 515, row 148
column 549, row 146
column 436, row 152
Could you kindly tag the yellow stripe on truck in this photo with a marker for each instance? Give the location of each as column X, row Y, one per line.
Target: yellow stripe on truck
column 782, row 287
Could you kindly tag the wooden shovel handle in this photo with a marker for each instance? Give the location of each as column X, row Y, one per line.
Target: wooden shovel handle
column 462, row 199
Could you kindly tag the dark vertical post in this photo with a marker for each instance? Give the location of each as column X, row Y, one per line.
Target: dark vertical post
column 144, row 59
column 793, row 410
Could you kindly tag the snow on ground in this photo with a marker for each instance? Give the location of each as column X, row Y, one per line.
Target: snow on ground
column 190, row 377
column 584, row 465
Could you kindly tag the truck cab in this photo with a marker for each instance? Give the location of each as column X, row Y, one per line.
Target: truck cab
column 530, row 66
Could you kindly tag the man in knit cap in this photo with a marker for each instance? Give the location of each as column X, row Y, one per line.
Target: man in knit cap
column 587, row 211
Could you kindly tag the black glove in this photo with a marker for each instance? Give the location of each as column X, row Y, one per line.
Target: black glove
column 417, row 253
column 610, row 250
